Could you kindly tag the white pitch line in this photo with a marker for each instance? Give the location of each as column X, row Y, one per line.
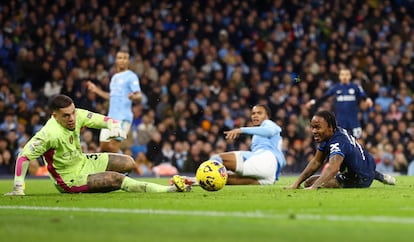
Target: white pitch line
column 257, row 214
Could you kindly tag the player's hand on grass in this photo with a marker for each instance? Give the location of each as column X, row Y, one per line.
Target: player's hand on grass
column 311, row 188
column 293, row 186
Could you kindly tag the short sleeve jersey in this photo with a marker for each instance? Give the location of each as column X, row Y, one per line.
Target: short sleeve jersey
column 122, row 84
column 267, row 137
column 357, row 161
column 347, row 103
column 59, row 146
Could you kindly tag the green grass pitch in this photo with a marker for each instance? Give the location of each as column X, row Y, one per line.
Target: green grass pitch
column 235, row 213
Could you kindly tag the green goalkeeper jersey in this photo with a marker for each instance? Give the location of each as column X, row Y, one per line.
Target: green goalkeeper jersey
column 60, row 147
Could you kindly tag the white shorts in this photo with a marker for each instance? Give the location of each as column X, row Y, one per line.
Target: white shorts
column 105, row 133
column 260, row 165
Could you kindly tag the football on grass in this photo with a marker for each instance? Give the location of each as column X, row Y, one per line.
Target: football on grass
column 211, row 175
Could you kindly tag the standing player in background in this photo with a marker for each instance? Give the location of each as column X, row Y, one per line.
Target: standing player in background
column 124, row 89
column 72, row 171
column 348, row 98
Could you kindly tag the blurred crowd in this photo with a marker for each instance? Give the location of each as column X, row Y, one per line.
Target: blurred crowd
column 202, row 65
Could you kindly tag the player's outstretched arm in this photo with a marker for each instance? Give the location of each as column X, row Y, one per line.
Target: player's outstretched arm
column 93, row 88
column 309, row 170
column 22, row 164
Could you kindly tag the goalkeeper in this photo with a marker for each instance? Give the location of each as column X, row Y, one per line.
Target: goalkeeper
column 71, row 170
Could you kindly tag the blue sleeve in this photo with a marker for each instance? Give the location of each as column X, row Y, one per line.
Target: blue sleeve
column 331, row 91
column 361, row 91
column 267, row 129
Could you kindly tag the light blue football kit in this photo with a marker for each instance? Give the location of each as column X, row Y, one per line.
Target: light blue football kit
column 265, row 159
column 122, row 84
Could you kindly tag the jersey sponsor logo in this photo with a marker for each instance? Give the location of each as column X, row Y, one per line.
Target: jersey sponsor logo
column 346, row 98
column 89, row 116
column 334, row 148
column 71, row 155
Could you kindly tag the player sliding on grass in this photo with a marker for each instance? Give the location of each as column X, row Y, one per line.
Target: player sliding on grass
column 263, row 164
column 72, row 171
column 350, row 165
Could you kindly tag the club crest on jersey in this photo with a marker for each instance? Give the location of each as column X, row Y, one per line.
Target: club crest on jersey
column 334, row 148
column 351, row 91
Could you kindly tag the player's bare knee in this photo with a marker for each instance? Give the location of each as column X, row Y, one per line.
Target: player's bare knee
column 117, row 179
column 129, row 162
column 307, row 183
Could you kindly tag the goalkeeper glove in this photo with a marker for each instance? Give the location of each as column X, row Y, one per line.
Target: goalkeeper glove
column 116, row 130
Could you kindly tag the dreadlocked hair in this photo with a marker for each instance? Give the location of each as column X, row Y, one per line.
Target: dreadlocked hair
column 329, row 117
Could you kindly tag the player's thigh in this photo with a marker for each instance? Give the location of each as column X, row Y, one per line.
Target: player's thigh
column 262, row 166
column 120, row 162
column 229, row 160
column 95, row 163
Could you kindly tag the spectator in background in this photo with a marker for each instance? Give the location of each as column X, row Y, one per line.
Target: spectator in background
column 194, row 158
column 143, row 165
column 154, row 147
column 384, row 100
column 386, row 165
column 180, row 154
column 5, row 156
column 165, row 164
column 146, row 128
column 10, row 121
column 53, row 86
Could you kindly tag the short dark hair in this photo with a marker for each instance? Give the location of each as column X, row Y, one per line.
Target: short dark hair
column 124, row 50
column 60, row 101
column 266, row 108
column 329, row 117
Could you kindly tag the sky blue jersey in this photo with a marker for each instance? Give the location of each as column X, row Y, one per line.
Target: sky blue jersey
column 122, row 84
column 357, row 161
column 267, row 137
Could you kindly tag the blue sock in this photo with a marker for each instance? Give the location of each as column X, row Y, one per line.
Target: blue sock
column 379, row 176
